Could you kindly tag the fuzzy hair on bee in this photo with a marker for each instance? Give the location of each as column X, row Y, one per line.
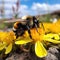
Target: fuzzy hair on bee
column 20, row 27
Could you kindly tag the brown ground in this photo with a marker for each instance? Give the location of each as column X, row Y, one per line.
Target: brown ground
column 53, row 54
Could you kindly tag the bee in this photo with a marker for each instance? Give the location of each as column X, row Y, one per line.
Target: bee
column 30, row 22
column 24, row 24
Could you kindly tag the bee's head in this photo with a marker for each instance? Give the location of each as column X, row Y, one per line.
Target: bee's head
column 29, row 20
column 27, row 17
column 34, row 18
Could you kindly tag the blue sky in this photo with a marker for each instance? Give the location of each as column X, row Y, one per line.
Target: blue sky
column 30, row 7
column 30, row 2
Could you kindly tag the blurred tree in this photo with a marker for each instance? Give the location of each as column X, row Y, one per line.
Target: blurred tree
column 16, row 9
column 2, row 9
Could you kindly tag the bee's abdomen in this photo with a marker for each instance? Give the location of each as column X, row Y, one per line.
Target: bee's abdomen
column 16, row 25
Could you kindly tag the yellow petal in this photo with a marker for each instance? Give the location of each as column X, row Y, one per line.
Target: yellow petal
column 40, row 50
column 55, row 36
column 50, row 35
column 22, row 41
column 53, row 41
column 8, row 49
column 2, row 46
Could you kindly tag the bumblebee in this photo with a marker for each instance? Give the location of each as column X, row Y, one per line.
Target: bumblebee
column 21, row 26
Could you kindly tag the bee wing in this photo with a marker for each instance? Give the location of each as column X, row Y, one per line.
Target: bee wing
column 14, row 20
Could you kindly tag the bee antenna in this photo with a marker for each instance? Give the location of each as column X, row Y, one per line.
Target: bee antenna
column 43, row 26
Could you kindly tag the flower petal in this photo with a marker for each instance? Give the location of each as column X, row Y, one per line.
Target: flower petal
column 40, row 50
column 23, row 41
column 51, row 36
column 56, row 36
column 2, row 46
column 8, row 49
column 53, row 41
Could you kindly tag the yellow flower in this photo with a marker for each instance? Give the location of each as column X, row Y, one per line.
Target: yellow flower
column 51, row 27
column 46, row 26
column 55, row 28
column 6, row 41
column 38, row 40
column 58, row 21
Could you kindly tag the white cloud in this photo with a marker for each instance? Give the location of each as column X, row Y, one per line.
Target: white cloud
column 8, row 12
column 10, row 0
column 44, row 8
column 23, row 10
column 23, row 7
column 38, row 8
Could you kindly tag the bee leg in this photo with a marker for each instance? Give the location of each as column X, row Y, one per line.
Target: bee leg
column 43, row 26
column 36, row 28
column 15, row 33
column 36, row 24
column 29, row 32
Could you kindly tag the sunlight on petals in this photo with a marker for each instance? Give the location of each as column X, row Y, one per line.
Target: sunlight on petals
column 2, row 46
column 23, row 41
column 40, row 50
column 8, row 48
column 53, row 41
column 51, row 35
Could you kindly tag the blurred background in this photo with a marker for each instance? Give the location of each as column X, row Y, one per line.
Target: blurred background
column 44, row 10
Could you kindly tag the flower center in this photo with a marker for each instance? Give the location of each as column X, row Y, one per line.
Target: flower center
column 36, row 36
